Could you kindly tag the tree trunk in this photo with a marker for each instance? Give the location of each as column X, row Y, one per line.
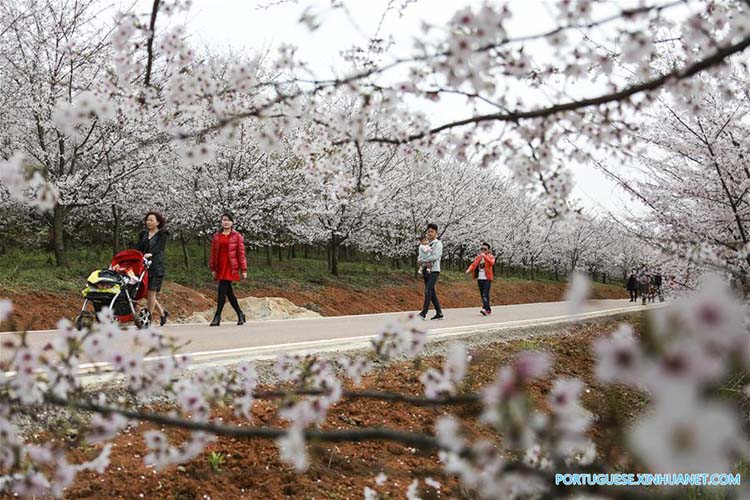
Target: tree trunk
column 334, row 255
column 305, row 252
column 281, row 255
column 268, row 256
column 58, row 224
column 185, row 256
column 292, row 252
column 116, row 231
column 205, row 252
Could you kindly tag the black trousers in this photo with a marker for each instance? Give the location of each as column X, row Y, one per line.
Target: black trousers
column 633, row 295
column 430, row 280
column 484, row 291
column 226, row 292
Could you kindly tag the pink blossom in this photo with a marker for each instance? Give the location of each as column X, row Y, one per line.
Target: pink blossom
column 531, row 365
column 33, row 484
column 6, row 307
column 619, row 358
column 292, row 449
column 356, row 367
column 63, row 477
column 563, row 397
column 577, row 292
column 687, row 435
column 105, row 427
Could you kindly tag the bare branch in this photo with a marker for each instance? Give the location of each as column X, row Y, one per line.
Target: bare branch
column 150, row 43
column 422, row 441
column 465, row 399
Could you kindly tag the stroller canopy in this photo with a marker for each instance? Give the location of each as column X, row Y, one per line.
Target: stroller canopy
column 129, row 258
column 133, row 259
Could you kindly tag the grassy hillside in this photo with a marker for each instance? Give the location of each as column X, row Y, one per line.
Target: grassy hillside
column 24, row 271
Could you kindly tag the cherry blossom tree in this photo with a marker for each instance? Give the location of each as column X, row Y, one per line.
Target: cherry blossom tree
column 477, row 52
column 53, row 64
column 461, row 199
column 696, row 180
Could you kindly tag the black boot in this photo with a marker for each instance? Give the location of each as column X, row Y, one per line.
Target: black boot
column 240, row 318
column 216, row 320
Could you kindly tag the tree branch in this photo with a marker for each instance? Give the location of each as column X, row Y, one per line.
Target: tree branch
column 465, row 399
column 150, row 43
column 620, row 95
column 422, row 441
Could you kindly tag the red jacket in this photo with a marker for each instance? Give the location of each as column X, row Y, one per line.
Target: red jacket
column 489, row 261
column 236, row 252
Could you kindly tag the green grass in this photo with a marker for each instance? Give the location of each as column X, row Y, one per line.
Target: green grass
column 25, row 270
column 35, row 270
column 216, row 461
column 528, row 345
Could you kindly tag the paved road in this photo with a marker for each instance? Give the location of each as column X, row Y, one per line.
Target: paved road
column 263, row 339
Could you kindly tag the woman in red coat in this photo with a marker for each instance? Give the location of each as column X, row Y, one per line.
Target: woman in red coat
column 482, row 268
column 226, row 263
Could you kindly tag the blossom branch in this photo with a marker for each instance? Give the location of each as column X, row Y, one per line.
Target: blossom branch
column 717, row 58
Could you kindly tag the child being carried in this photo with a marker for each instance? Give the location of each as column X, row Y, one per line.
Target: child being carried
column 425, row 252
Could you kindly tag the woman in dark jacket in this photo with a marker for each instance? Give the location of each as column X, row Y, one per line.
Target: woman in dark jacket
column 632, row 287
column 152, row 242
column 226, row 263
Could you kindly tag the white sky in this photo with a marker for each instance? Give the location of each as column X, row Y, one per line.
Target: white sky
column 247, row 24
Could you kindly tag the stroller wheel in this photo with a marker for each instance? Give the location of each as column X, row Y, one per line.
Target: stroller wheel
column 143, row 319
column 84, row 320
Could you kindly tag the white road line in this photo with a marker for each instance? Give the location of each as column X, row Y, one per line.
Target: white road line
column 433, row 334
column 348, row 343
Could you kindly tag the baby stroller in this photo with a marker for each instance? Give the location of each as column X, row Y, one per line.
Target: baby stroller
column 643, row 281
column 119, row 288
